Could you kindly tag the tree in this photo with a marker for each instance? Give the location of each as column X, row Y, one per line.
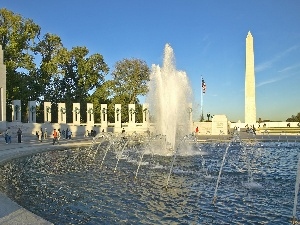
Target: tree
column 130, row 78
column 294, row 118
column 77, row 75
column 17, row 37
column 102, row 96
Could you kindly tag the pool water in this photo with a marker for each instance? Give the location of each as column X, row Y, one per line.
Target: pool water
column 256, row 186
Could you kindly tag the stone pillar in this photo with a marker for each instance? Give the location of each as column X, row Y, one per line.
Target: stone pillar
column 146, row 115
column 32, row 112
column 16, row 111
column 62, row 118
column 47, row 112
column 76, row 113
column 2, row 87
column 104, row 123
column 250, row 106
column 118, row 117
column 219, row 125
column 131, row 115
column 90, row 113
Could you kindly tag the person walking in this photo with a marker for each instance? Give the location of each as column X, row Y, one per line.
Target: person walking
column 19, row 134
column 67, row 133
column 58, row 136
column 8, row 135
column 64, row 134
column 55, row 135
column 41, row 134
column 5, row 136
column 45, row 134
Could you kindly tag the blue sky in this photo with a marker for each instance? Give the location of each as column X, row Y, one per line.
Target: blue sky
column 207, row 36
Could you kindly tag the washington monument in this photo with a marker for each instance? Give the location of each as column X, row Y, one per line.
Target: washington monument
column 250, row 108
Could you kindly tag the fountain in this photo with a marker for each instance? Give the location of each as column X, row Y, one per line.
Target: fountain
column 169, row 97
column 126, row 179
column 255, row 183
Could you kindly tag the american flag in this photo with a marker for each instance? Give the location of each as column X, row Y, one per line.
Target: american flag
column 203, row 86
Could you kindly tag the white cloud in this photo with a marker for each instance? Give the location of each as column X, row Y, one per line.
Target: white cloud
column 274, row 79
column 289, row 68
column 268, row 64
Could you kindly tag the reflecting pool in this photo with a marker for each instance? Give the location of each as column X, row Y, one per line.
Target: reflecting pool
column 256, row 184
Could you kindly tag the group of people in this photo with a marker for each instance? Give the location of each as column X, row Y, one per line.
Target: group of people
column 92, row 133
column 237, row 130
column 57, row 134
column 251, row 129
column 8, row 134
column 40, row 134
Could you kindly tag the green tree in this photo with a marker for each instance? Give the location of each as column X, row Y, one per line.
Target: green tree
column 17, row 37
column 130, row 78
column 294, row 118
column 47, row 50
column 77, row 76
column 102, row 95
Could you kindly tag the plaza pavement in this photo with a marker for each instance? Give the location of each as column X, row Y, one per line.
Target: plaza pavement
column 13, row 214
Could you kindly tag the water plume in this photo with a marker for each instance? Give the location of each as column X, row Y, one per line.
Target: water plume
column 169, row 98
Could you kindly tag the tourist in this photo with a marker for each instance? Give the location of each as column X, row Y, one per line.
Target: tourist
column 45, row 133
column 19, row 134
column 123, row 131
column 41, row 134
column 67, row 133
column 8, row 135
column 5, row 136
column 58, row 135
column 254, row 130
column 64, row 133
column 55, row 134
column 197, row 130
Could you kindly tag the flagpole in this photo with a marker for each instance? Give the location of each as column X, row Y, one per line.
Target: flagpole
column 201, row 116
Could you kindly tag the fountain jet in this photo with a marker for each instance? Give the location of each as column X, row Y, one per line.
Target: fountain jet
column 169, row 97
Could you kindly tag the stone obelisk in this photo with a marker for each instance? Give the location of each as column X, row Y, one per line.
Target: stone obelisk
column 250, row 106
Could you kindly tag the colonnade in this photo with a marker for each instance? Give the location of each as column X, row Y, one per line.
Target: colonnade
column 31, row 112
